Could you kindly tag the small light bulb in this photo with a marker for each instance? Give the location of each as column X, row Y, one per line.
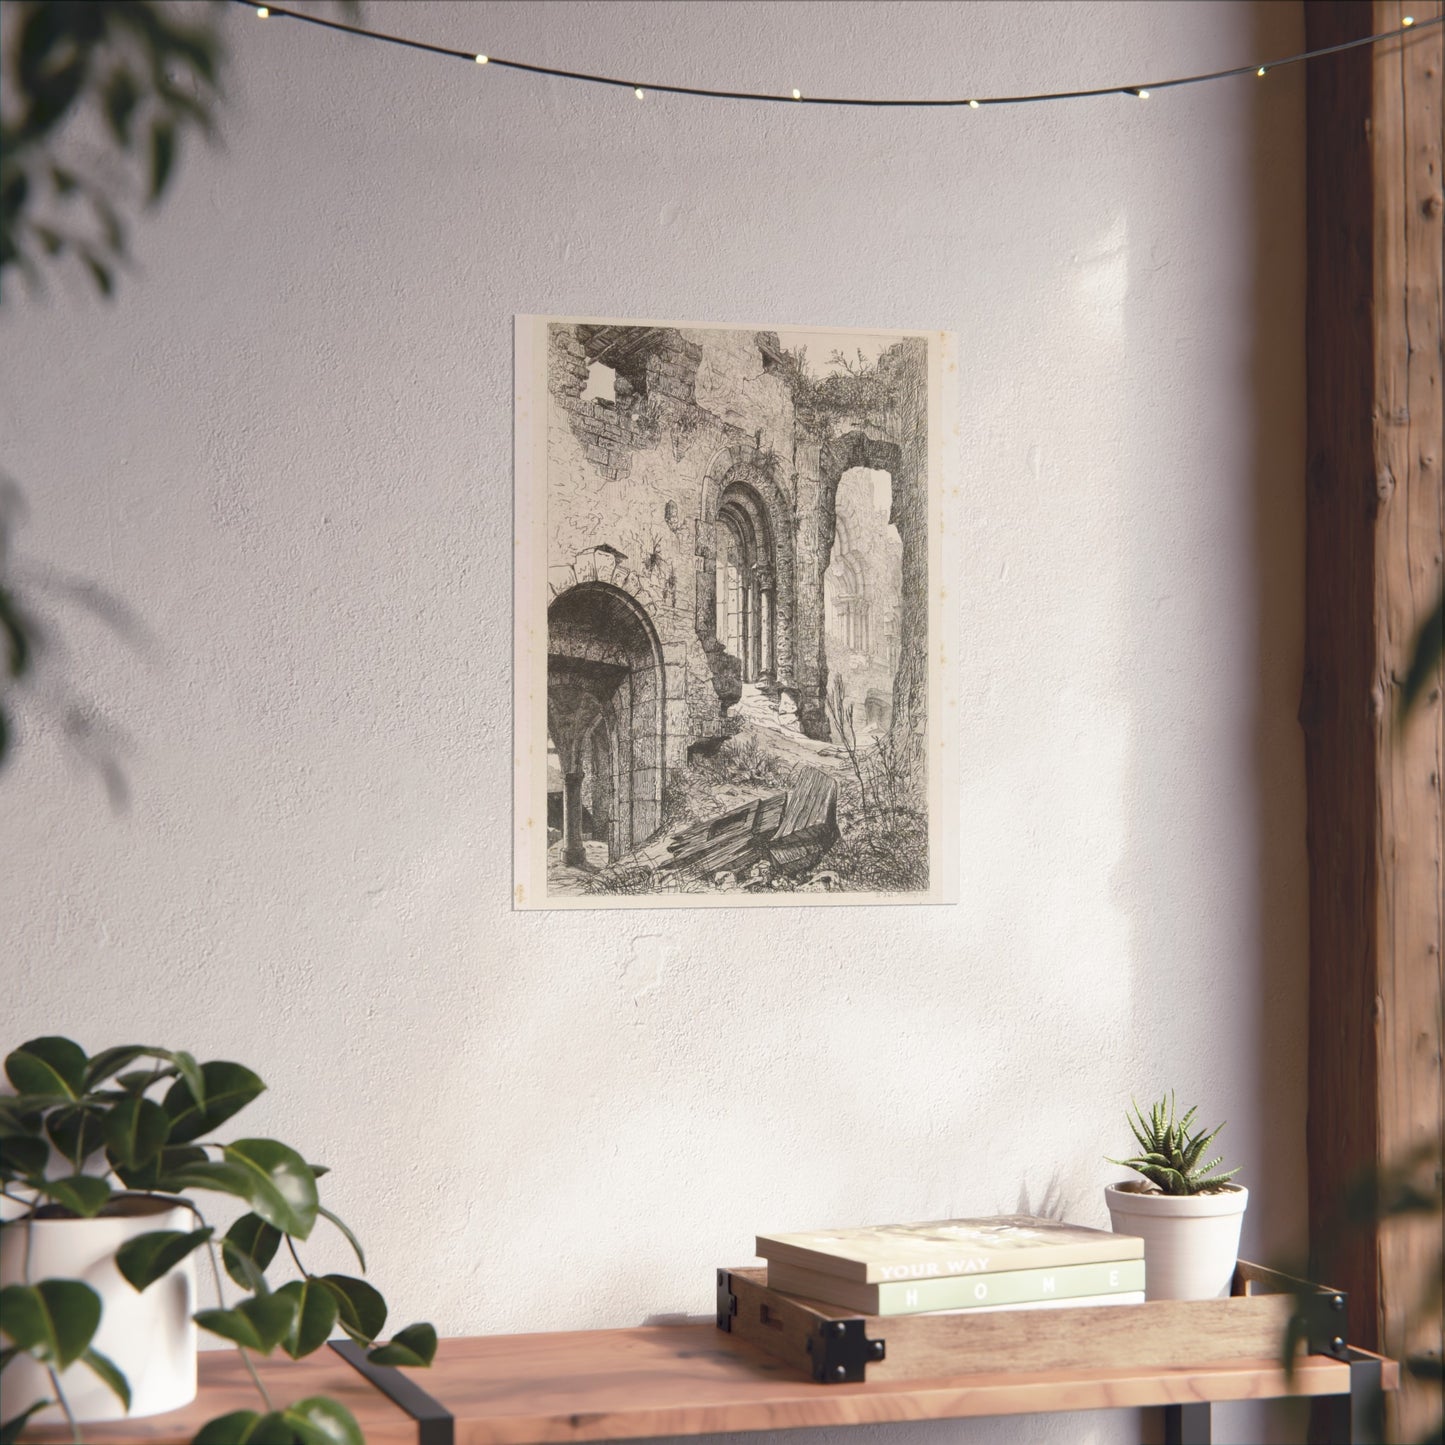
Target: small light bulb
column 973, row 105
column 797, row 95
column 1142, row 94
column 638, row 92
column 482, row 59
column 1261, row 72
column 1408, row 21
column 262, row 12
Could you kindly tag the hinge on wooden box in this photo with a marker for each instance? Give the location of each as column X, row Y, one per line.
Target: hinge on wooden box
column 841, row 1352
column 727, row 1301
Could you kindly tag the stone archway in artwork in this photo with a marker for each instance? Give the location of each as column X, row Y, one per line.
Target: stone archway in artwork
column 839, row 455
column 606, row 712
column 745, row 603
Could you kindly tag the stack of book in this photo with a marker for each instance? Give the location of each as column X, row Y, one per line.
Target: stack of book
column 1010, row 1261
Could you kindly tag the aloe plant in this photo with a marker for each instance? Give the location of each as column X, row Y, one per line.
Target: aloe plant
column 82, row 1131
column 1170, row 1153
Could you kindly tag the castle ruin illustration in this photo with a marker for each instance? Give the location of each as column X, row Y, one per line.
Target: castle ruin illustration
column 737, row 619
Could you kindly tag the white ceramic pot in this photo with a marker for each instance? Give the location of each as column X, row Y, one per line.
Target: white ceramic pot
column 150, row 1336
column 1191, row 1241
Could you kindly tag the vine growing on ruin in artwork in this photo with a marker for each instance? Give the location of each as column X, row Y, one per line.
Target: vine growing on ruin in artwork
column 737, row 544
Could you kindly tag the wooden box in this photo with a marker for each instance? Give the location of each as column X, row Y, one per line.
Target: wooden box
column 836, row 1345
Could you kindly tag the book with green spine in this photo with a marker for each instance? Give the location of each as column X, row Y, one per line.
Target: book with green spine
column 961, row 1292
column 940, row 1247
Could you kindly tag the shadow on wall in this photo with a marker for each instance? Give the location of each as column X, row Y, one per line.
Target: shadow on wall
column 1256, row 1062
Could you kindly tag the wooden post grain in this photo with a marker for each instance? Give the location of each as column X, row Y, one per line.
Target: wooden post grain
column 1374, row 546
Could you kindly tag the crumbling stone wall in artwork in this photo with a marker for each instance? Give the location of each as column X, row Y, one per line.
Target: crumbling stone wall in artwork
column 707, row 433
column 628, row 500
column 885, row 430
column 905, row 367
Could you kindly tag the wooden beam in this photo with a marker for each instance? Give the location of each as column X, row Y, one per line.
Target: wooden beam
column 1374, row 544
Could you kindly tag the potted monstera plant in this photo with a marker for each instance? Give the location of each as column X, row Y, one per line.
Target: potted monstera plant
column 105, row 1162
column 1187, row 1212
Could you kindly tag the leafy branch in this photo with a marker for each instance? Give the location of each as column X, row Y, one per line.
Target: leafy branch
column 146, row 75
column 111, row 1142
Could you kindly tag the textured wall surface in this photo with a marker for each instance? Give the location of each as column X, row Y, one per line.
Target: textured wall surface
column 286, row 446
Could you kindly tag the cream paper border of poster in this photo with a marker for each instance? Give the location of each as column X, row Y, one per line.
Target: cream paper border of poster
column 530, row 618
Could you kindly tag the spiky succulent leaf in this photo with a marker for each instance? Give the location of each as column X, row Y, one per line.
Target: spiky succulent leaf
column 1170, row 1150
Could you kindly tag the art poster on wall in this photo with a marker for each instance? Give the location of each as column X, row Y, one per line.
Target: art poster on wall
column 732, row 666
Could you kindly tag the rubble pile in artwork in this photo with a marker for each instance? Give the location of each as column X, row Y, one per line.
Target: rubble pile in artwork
column 774, row 841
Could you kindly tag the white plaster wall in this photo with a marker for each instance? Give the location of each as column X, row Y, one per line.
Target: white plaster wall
column 286, row 446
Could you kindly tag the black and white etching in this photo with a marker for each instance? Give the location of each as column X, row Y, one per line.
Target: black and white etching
column 735, row 529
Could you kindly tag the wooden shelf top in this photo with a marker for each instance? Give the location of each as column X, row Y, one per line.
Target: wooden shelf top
column 689, row 1379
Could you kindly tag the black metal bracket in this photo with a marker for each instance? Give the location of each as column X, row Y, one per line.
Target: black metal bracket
column 1189, row 1424
column 727, row 1301
column 434, row 1422
column 841, row 1352
column 1327, row 1323
column 1359, row 1417
column 1323, row 1317
column 1367, row 1398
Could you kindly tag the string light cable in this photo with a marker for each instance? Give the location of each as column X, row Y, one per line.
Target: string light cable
column 643, row 88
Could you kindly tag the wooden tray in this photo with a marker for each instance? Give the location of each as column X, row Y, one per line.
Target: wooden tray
column 837, row 1346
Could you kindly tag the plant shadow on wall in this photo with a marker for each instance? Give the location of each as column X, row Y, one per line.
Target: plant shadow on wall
column 136, row 78
column 101, row 96
column 86, row 1152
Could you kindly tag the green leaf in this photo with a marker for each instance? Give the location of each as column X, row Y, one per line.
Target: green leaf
column 415, row 1345
column 11, row 1430
column 316, row 1311
column 100, row 274
column 50, row 1065
column 163, row 156
column 54, row 1320
column 351, row 1239
column 248, row 1248
column 245, row 1427
column 207, row 1174
column 194, row 1075
column 111, row 1061
column 227, row 1089
column 1426, row 1367
column 1425, row 658
column 23, row 1116
column 259, row 1323
column 155, row 1174
column 361, row 1309
column 121, row 97
column 319, row 1421
column 83, row 1194
column 149, row 1257
column 76, row 1130
column 137, row 1081
column 282, row 1187
column 232, row 1429
column 21, row 1157
column 226, row 1429
column 136, row 1130
column 106, row 1368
